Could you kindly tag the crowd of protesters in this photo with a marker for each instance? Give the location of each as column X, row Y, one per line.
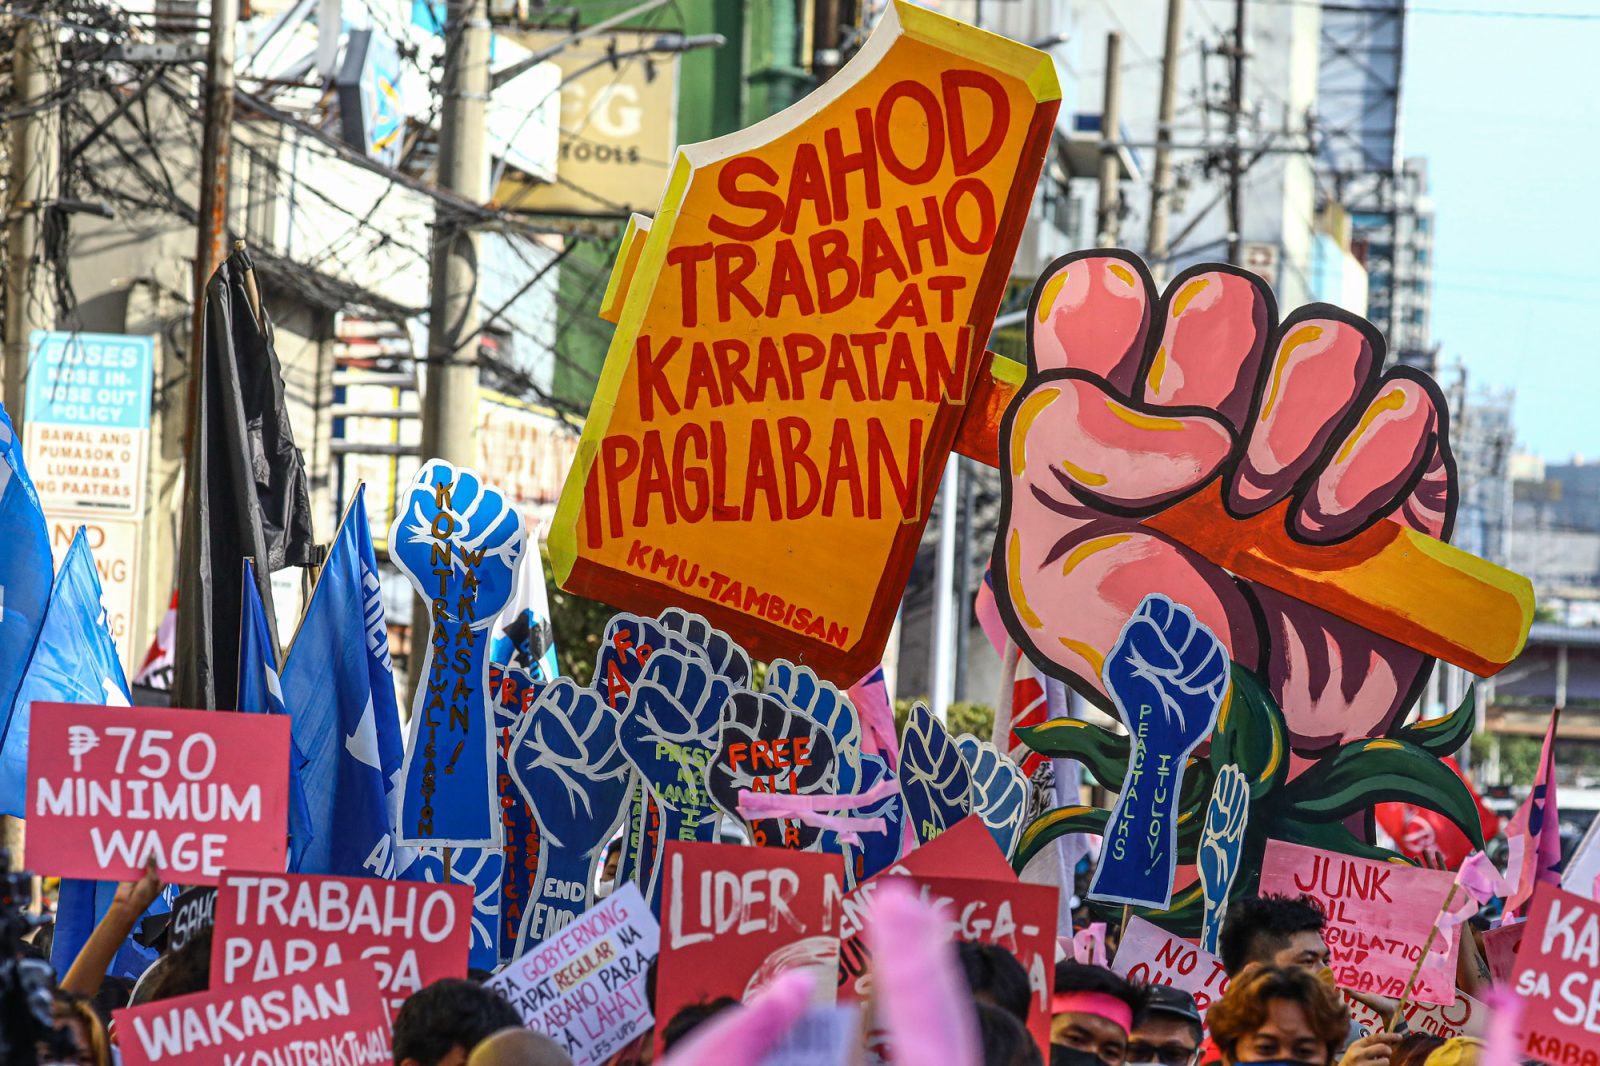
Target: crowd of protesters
column 1280, row 1008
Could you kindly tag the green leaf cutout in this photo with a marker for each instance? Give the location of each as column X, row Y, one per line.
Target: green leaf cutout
column 1328, row 836
column 1383, row 770
column 1057, row 823
column 1443, row 737
column 1103, row 753
column 1251, row 734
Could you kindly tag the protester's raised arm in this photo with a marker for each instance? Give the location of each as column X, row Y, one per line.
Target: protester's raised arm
column 133, row 898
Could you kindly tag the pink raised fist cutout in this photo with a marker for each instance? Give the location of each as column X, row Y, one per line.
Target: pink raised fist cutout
column 1134, row 403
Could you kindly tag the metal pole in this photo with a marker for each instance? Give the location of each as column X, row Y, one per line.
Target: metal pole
column 30, row 301
column 216, row 145
column 329, row 23
column 1235, row 109
column 1161, row 179
column 1106, row 222
column 964, row 584
column 35, row 158
column 939, row 672
column 450, row 392
column 826, row 55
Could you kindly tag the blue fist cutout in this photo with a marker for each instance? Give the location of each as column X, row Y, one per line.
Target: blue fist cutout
column 484, row 870
column 513, row 692
column 1167, row 675
column 766, row 746
column 690, row 632
column 823, row 703
column 1221, row 845
column 569, row 766
column 460, row 543
column 670, row 736
column 877, row 851
column 999, row 791
column 625, row 647
column 933, row 777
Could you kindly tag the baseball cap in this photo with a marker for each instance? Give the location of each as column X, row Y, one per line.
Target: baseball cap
column 1165, row 999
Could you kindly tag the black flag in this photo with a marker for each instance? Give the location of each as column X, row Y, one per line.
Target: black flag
column 244, row 493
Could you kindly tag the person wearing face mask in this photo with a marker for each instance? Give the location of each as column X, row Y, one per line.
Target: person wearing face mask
column 1166, row 1030
column 1091, row 1013
column 1278, row 1016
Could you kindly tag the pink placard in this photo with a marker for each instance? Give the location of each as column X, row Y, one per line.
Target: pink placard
column 271, row 925
column 111, row 787
column 328, row 1015
column 1500, row 950
column 1149, row 955
column 1379, row 917
column 1557, row 977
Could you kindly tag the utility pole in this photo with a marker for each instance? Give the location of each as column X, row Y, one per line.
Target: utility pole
column 450, row 392
column 827, row 53
column 940, row 674
column 216, row 146
column 1235, row 110
column 35, row 159
column 1106, row 221
column 30, row 301
column 1161, row 181
column 968, row 496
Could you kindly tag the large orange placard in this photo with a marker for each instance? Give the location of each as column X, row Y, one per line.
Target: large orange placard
column 799, row 331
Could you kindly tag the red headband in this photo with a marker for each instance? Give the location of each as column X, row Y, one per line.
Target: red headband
column 1100, row 1004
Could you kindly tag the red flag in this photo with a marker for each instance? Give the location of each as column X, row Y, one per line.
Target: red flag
column 1419, row 832
column 156, row 670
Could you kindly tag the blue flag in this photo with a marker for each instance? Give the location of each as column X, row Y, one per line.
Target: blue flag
column 79, row 908
column 74, row 661
column 338, row 684
column 260, row 692
column 25, row 570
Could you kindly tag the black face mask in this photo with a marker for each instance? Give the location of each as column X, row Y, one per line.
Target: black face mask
column 1061, row 1055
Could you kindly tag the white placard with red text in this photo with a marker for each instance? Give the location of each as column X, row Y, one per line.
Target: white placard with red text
column 584, row 987
column 1465, row 1017
column 111, row 787
column 1149, row 955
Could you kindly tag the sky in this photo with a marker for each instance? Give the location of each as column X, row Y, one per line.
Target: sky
column 1505, row 111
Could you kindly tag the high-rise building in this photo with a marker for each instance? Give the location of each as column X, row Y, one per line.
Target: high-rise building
column 1482, row 436
column 1396, row 243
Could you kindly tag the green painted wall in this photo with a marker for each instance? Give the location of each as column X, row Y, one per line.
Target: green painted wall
column 755, row 74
